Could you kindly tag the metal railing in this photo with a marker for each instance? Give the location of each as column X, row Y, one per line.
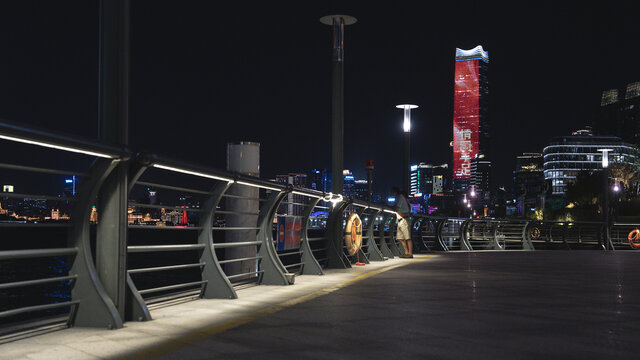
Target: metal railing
column 209, row 233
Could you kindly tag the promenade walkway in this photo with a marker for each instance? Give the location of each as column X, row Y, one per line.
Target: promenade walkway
column 473, row 305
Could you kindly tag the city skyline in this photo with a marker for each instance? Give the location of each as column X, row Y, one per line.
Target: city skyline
column 188, row 101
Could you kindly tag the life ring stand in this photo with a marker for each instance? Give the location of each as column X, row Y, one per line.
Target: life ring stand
column 353, row 234
column 634, row 238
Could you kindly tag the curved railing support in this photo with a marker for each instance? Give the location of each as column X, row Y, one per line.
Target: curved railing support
column 462, row 235
column 135, row 307
column 336, row 259
column 310, row 265
column 218, row 285
column 527, row 244
column 495, row 244
column 273, row 272
column 384, row 248
column 439, row 239
column 96, row 308
column 373, row 252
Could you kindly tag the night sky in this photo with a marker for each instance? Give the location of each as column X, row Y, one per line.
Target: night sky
column 205, row 73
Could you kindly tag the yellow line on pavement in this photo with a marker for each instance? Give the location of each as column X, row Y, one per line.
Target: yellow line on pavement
column 206, row 332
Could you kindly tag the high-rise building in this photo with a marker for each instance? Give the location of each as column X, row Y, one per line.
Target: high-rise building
column 318, row 180
column 70, row 186
column 361, row 188
column 480, row 181
column 470, row 112
column 421, row 179
column 619, row 116
column 441, row 179
column 348, row 184
column 566, row 156
column 529, row 182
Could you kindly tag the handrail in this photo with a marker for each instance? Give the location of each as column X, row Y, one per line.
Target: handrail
column 31, row 135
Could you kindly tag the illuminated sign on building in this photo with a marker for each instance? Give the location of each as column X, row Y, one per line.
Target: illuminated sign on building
column 467, row 109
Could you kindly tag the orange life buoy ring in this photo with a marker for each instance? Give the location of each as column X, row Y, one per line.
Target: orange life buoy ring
column 353, row 234
column 634, row 238
column 535, row 233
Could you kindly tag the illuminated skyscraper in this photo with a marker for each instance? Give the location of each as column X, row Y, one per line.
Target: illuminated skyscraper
column 470, row 106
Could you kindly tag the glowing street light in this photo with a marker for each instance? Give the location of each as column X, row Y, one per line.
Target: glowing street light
column 406, row 126
column 605, row 157
column 473, row 191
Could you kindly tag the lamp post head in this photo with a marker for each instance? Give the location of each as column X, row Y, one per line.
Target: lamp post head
column 406, row 126
column 605, row 157
column 337, row 19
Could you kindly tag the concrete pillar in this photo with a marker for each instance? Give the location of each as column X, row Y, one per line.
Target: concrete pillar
column 244, row 158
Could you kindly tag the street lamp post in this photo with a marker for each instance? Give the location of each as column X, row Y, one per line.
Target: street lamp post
column 605, row 203
column 337, row 22
column 406, row 126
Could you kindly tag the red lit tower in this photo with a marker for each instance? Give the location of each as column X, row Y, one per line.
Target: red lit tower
column 470, row 106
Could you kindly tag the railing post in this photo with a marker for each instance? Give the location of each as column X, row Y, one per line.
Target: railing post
column 273, row 270
column 218, row 285
column 439, row 239
column 384, row 249
column 462, row 235
column 135, row 306
column 310, row 265
column 336, row 258
column 527, row 244
column 97, row 308
column 373, row 252
column 393, row 246
column 564, row 235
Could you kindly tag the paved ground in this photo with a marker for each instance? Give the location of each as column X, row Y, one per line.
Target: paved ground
column 497, row 305
column 489, row 305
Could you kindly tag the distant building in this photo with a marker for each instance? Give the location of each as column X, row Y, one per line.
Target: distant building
column 480, row 181
column 529, row 183
column 70, row 186
column 566, row 156
column 295, row 203
column 362, row 189
column 620, row 116
column 318, row 180
column 470, row 112
column 349, row 184
column 7, row 188
column 421, row 179
column 428, row 179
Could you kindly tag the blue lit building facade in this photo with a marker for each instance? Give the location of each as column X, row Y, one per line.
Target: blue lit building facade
column 566, row 156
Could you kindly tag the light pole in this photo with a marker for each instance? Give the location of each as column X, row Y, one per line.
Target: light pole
column 337, row 22
column 406, row 126
column 605, row 205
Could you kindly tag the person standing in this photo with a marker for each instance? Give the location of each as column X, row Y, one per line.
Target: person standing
column 403, row 233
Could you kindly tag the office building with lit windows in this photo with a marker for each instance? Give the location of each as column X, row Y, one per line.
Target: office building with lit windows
column 566, row 156
column 470, row 112
column 428, row 179
column 529, row 182
column 620, row 115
